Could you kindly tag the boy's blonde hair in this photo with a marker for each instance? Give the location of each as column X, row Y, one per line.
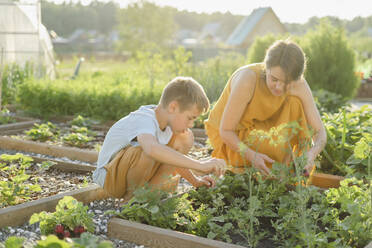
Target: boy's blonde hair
column 187, row 92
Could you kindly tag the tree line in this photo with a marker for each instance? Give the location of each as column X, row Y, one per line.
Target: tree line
column 65, row 18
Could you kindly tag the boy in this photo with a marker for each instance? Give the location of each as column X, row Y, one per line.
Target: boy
column 149, row 145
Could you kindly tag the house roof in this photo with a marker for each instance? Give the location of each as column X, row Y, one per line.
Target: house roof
column 246, row 26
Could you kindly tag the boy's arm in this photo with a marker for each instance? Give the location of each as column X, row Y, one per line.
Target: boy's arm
column 167, row 155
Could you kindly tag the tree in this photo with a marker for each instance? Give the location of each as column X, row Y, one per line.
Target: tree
column 331, row 61
column 144, row 24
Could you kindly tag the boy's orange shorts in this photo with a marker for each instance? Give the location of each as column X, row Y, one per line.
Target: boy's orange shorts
column 119, row 185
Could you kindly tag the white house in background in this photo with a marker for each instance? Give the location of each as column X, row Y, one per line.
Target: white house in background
column 209, row 33
column 260, row 22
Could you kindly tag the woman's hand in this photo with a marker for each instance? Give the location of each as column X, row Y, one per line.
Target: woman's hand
column 258, row 161
column 205, row 181
column 309, row 164
column 214, row 165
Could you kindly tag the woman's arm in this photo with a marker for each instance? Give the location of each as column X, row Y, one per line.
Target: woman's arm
column 302, row 90
column 242, row 90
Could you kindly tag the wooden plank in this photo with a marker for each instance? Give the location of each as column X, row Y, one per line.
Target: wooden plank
column 20, row 214
column 12, row 131
column 18, row 125
column 326, row 181
column 47, row 149
column 156, row 237
column 320, row 180
column 66, row 166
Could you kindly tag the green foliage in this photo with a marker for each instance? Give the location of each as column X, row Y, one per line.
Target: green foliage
column 151, row 206
column 13, row 189
column 349, row 211
column 143, row 23
column 13, row 242
column 13, row 75
column 81, row 121
column 257, row 51
column 112, row 94
column 349, row 142
column 327, row 101
column 43, row 132
column 90, row 241
column 97, row 15
column 5, row 117
column 331, row 61
column 69, row 213
column 76, row 139
column 214, row 73
column 87, row 240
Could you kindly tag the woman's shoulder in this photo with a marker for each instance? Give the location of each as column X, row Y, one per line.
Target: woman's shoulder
column 245, row 75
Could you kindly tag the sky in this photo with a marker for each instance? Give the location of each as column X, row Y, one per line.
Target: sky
column 292, row 11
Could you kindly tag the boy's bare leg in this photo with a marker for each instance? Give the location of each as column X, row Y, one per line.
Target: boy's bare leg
column 167, row 176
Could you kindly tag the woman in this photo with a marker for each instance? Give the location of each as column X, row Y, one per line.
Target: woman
column 262, row 96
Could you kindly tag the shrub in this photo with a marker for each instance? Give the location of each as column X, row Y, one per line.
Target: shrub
column 327, row 101
column 257, row 51
column 331, row 61
column 13, row 75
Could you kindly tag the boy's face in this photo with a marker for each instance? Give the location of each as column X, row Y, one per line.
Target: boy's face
column 181, row 121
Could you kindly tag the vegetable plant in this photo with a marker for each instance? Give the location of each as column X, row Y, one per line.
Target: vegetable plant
column 70, row 219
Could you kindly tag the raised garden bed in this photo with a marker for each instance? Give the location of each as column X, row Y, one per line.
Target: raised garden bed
column 170, row 235
column 156, row 237
column 24, row 180
column 48, row 149
column 19, row 214
column 16, row 124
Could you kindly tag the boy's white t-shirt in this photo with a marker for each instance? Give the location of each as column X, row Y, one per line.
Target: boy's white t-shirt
column 122, row 133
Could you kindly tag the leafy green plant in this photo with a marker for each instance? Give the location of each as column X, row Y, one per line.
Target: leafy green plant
column 331, row 63
column 348, row 139
column 348, row 211
column 13, row 76
column 5, row 117
column 327, row 101
column 42, row 132
column 13, row 189
column 151, row 206
column 81, row 121
column 13, row 242
column 76, row 139
column 86, row 240
column 69, row 220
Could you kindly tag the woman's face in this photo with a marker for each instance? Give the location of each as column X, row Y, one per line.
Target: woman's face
column 275, row 80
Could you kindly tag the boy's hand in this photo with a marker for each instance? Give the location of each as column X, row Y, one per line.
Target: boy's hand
column 205, row 181
column 214, row 165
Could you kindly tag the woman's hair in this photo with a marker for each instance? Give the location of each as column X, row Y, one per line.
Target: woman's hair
column 187, row 92
column 289, row 56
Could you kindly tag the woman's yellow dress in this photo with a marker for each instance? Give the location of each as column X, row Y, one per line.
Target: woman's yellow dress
column 264, row 112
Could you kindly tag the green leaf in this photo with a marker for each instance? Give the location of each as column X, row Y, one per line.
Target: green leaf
column 52, row 241
column 154, row 209
column 14, row 242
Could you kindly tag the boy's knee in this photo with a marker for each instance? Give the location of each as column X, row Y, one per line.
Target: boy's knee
column 184, row 141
